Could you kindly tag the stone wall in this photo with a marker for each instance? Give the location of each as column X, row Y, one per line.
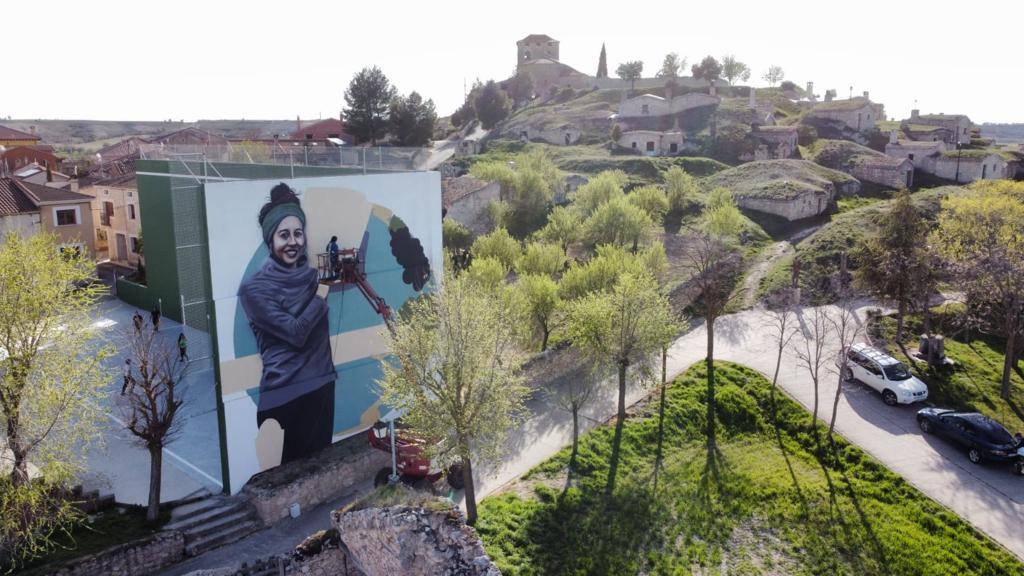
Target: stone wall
column 892, row 176
column 991, row 167
column 798, row 207
column 473, row 210
column 412, row 542
column 138, row 558
column 314, row 480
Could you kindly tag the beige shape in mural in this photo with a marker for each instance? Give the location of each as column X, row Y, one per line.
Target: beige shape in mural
column 337, row 212
column 269, row 444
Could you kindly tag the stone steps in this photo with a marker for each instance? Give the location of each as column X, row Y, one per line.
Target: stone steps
column 213, row 522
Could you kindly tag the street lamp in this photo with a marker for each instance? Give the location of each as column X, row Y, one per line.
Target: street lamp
column 959, row 146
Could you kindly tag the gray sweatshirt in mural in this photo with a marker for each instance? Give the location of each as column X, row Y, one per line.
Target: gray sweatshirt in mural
column 290, row 324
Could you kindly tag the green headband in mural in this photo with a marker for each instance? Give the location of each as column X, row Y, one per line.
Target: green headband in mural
column 278, row 213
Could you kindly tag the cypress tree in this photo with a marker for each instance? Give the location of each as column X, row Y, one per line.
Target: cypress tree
column 602, row 64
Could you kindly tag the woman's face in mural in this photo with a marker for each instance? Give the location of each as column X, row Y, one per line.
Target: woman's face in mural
column 289, row 241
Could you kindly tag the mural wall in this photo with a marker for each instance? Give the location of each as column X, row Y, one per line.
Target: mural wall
column 300, row 344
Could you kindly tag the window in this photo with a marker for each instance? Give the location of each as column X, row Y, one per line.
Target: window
column 131, row 211
column 134, row 244
column 107, row 213
column 650, row 145
column 910, row 156
column 65, row 216
column 673, row 147
column 645, row 109
column 897, row 371
column 309, row 136
column 634, row 145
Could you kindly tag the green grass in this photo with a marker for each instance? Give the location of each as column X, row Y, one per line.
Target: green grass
column 854, row 202
column 973, row 382
column 101, row 531
column 779, row 179
column 765, row 502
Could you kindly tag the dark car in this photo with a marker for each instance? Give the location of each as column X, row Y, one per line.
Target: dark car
column 981, row 436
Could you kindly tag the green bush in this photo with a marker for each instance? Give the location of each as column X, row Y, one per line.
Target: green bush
column 489, row 273
column 455, row 236
column 542, row 259
column 617, row 222
column 651, row 200
column 602, row 188
column 499, row 245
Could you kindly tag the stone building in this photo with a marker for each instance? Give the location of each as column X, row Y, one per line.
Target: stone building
column 564, row 134
column 653, row 142
column 954, row 127
column 885, row 171
column 654, row 105
column 467, row 200
column 971, row 165
column 774, row 142
column 858, row 114
column 536, row 47
column 922, row 155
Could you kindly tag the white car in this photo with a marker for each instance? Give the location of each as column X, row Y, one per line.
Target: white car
column 890, row 377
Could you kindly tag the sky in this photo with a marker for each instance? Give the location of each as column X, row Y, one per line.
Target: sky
column 190, row 60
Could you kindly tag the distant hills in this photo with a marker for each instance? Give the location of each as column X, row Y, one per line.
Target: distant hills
column 1004, row 133
column 94, row 134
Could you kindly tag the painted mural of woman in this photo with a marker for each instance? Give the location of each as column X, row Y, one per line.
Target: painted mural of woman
column 287, row 311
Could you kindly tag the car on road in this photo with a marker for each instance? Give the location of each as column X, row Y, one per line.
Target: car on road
column 982, row 437
column 887, row 375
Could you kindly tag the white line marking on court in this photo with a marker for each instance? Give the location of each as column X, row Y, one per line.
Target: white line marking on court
column 175, row 456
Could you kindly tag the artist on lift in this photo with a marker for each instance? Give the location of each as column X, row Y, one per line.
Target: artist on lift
column 332, row 253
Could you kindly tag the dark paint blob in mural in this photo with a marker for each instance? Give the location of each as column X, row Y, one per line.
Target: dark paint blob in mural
column 408, row 251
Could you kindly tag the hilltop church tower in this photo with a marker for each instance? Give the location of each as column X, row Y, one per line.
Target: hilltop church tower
column 535, row 47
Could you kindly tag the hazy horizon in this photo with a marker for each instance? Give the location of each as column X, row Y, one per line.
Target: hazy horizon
column 211, row 61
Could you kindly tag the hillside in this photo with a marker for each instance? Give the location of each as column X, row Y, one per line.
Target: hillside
column 782, row 179
column 840, row 154
column 94, row 134
column 1004, row 133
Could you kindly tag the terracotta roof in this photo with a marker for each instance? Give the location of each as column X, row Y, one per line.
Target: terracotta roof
column 537, row 38
column 323, row 129
column 12, row 134
column 13, row 199
column 455, row 189
column 126, row 147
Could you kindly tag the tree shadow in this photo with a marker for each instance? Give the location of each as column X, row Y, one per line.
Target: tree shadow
column 876, row 545
column 658, row 454
column 613, row 463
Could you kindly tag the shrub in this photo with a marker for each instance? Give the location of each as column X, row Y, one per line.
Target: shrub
column 499, row 245
column 600, row 189
column 651, row 200
column 541, row 258
column 682, row 190
column 487, row 273
column 564, row 227
column 455, row 236
column 617, row 222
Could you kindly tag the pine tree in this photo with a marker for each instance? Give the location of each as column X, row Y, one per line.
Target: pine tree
column 367, row 100
column 602, row 64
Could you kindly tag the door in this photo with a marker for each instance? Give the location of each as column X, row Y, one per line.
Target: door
column 122, row 248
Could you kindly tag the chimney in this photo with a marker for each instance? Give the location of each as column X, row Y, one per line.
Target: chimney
column 298, row 123
column 914, row 114
column 32, row 130
column 810, row 90
column 866, row 96
column 711, row 90
column 753, row 98
column 828, row 95
column 893, row 139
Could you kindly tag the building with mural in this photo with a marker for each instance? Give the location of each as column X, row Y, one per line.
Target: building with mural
column 297, row 330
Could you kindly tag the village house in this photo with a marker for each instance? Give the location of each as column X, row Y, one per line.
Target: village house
column 115, row 213
column 884, row 170
column 9, row 137
column 331, row 130
column 44, row 176
column 654, row 105
column 774, row 142
column 653, row 142
column 27, row 209
column 971, row 165
column 922, row 155
column 858, row 114
column 15, row 157
column 951, row 128
column 467, row 201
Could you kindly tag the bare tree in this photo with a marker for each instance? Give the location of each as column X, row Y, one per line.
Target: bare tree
column 810, row 352
column 847, row 328
column 153, row 396
column 781, row 323
column 572, row 397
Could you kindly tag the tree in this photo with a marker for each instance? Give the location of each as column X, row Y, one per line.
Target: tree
column 710, row 258
column 651, row 200
column 895, row 262
column 603, row 188
column 622, row 327
column 520, row 88
column 671, row 66
column 539, row 304
column 774, row 75
column 528, row 189
column 618, row 222
column 152, row 401
column 456, row 375
column 602, row 271
column 847, row 330
column 810, row 352
column 541, row 258
column 602, row 63
column 367, row 99
column 780, row 323
column 616, row 133
column 630, row 72
column 564, row 227
column 487, row 273
column 733, row 69
column 682, row 190
column 709, row 69
column 492, row 105
column 455, row 237
column 980, row 237
column 412, row 120
column 498, row 245
column 51, row 383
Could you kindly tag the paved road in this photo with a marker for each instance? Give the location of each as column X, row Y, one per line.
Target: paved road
column 989, row 497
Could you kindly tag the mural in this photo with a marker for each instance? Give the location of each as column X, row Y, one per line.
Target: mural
column 306, row 273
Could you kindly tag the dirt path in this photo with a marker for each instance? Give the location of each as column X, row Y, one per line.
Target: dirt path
column 767, row 259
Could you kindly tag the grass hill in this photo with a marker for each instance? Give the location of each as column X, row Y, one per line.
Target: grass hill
column 839, row 154
column 94, row 134
column 782, row 179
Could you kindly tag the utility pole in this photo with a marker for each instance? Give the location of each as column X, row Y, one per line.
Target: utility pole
column 959, row 146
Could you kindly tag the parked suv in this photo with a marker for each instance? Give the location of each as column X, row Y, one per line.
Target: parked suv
column 890, row 377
